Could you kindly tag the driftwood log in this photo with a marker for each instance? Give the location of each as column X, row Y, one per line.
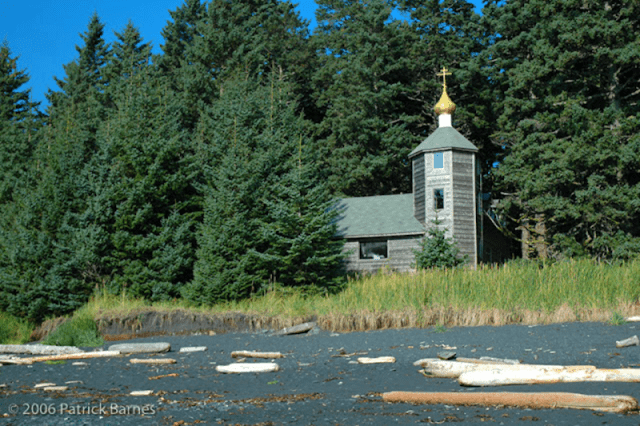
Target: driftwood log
column 141, row 348
column 527, row 376
column 378, row 360
column 631, row 341
column 252, row 354
column 152, row 361
column 82, row 355
column 258, row 367
column 453, row 369
column 489, row 360
column 612, row 404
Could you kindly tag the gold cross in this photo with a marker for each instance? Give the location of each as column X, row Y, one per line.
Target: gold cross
column 445, row 72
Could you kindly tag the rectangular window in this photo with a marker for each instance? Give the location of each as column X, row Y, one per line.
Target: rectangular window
column 438, row 162
column 375, row 250
column 438, row 199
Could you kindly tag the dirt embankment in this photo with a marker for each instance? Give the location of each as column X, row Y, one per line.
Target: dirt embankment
column 147, row 323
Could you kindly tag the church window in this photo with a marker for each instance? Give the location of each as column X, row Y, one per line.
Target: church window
column 438, row 162
column 438, row 199
column 375, row 250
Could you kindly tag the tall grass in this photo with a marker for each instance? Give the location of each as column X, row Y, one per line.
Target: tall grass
column 14, row 331
column 517, row 292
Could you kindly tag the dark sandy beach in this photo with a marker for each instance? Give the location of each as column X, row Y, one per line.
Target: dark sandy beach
column 316, row 384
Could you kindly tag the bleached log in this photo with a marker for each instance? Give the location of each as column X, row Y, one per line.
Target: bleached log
column 252, row 354
column 141, row 348
column 43, row 385
column 524, row 376
column 453, row 369
column 258, row 367
column 152, row 361
column 14, row 360
column 55, row 388
column 39, row 349
column 378, row 360
column 631, row 341
column 633, row 319
column 141, row 393
column 489, row 360
column 611, row 404
column 193, row 349
column 82, row 355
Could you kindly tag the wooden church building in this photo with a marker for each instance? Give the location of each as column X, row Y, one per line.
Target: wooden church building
column 384, row 231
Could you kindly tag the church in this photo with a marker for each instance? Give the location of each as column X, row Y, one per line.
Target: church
column 383, row 231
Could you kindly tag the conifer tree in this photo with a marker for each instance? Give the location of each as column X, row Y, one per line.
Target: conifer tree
column 19, row 122
column 568, row 76
column 180, row 67
column 46, row 253
column 362, row 84
column 265, row 219
column 142, row 202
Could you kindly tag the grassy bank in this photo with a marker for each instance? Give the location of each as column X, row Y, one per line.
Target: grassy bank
column 518, row 292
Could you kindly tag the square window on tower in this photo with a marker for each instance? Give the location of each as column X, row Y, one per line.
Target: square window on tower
column 438, row 162
column 438, row 199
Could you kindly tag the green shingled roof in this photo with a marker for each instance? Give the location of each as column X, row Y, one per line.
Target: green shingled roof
column 444, row 138
column 378, row 216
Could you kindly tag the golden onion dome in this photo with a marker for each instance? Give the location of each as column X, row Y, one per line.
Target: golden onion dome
column 445, row 105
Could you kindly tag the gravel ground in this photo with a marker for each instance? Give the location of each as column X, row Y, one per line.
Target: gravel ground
column 316, row 383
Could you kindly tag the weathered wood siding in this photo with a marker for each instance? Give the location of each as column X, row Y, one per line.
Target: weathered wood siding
column 464, row 203
column 418, row 188
column 399, row 249
column 439, row 179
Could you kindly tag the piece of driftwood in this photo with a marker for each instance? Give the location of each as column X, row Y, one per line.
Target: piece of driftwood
column 152, row 361
column 453, row 369
column 631, row 341
column 258, row 367
column 378, row 360
column 296, row 329
column 39, row 349
column 489, row 360
column 633, row 319
column 141, row 393
column 141, row 348
column 43, row 385
column 252, row 354
column 55, row 388
column 527, row 375
column 611, row 404
column 193, row 349
column 14, row 360
column 83, row 355
column 162, row 376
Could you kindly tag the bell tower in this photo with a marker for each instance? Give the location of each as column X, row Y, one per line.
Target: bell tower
column 445, row 180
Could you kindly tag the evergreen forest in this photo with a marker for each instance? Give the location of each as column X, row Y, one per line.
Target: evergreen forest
column 210, row 171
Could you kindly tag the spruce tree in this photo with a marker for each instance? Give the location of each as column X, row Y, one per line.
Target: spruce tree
column 141, row 199
column 265, row 219
column 363, row 83
column 47, row 253
column 568, row 102
column 19, row 123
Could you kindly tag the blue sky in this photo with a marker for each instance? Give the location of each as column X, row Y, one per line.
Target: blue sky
column 44, row 33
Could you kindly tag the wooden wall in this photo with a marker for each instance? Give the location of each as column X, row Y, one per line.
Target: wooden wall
column 439, row 179
column 418, row 188
column 464, row 203
column 399, row 249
